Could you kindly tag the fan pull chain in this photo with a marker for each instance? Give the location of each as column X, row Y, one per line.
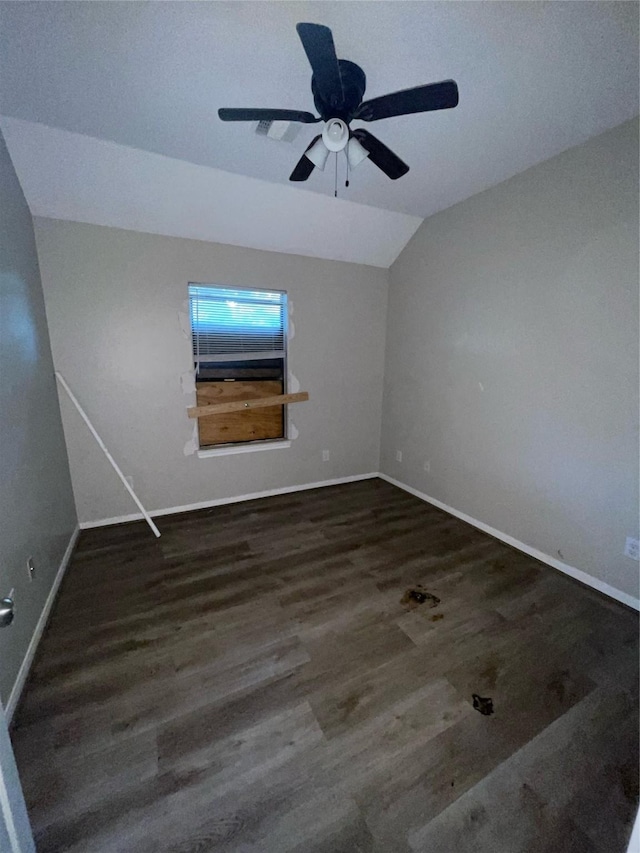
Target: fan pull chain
column 335, row 190
column 346, row 183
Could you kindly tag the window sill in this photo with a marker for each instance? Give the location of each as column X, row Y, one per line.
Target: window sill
column 230, row 449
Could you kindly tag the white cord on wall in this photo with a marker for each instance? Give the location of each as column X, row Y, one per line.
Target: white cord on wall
column 105, row 450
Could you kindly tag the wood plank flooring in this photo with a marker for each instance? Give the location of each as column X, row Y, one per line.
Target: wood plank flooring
column 251, row 682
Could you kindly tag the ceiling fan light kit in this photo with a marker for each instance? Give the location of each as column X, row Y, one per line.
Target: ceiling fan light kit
column 338, row 87
column 356, row 153
column 318, row 154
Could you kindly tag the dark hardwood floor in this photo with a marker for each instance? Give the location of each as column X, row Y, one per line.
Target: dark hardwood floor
column 258, row 681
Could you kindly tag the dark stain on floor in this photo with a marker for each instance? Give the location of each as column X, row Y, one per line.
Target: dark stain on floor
column 417, row 595
column 630, row 783
column 477, row 817
column 348, row 705
column 490, row 675
column 557, row 685
column 437, row 617
column 483, row 704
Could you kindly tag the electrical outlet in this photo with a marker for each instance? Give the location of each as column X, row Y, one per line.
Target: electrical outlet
column 31, row 569
column 325, row 455
column 398, row 456
column 632, row 548
column 427, row 466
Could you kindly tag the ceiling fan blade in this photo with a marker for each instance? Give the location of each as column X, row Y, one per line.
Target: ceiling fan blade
column 383, row 157
column 266, row 115
column 420, row 99
column 317, row 42
column 304, row 166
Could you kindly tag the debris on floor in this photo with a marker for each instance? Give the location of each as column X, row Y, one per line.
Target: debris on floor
column 418, row 595
column 482, row 704
column 437, row 617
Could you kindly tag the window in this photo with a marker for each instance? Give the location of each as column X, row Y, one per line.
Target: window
column 239, row 342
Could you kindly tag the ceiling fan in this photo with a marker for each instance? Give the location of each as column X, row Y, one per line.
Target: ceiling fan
column 338, row 87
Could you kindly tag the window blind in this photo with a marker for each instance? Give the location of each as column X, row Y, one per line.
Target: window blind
column 229, row 323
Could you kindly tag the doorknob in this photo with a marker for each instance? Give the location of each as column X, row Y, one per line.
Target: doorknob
column 6, row 612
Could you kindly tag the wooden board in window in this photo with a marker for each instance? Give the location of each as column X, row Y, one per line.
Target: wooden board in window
column 253, row 425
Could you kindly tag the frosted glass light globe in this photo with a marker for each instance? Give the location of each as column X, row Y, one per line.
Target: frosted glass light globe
column 335, row 134
column 335, row 131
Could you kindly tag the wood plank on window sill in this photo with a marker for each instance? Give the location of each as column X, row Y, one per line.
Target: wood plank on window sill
column 241, row 405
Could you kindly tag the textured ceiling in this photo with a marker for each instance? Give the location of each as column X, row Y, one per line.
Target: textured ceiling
column 535, row 78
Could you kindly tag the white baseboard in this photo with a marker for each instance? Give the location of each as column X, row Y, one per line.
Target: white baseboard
column 137, row 516
column 25, row 666
column 578, row 574
column 573, row 572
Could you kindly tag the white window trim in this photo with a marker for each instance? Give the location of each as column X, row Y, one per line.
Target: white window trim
column 266, row 444
column 251, row 447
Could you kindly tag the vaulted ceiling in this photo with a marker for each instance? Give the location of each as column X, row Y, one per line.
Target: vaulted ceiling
column 534, row 77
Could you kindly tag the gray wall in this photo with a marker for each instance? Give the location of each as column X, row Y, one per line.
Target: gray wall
column 37, row 516
column 512, row 357
column 113, row 304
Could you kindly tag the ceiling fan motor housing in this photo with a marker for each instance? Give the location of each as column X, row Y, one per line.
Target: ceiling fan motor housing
column 354, row 84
